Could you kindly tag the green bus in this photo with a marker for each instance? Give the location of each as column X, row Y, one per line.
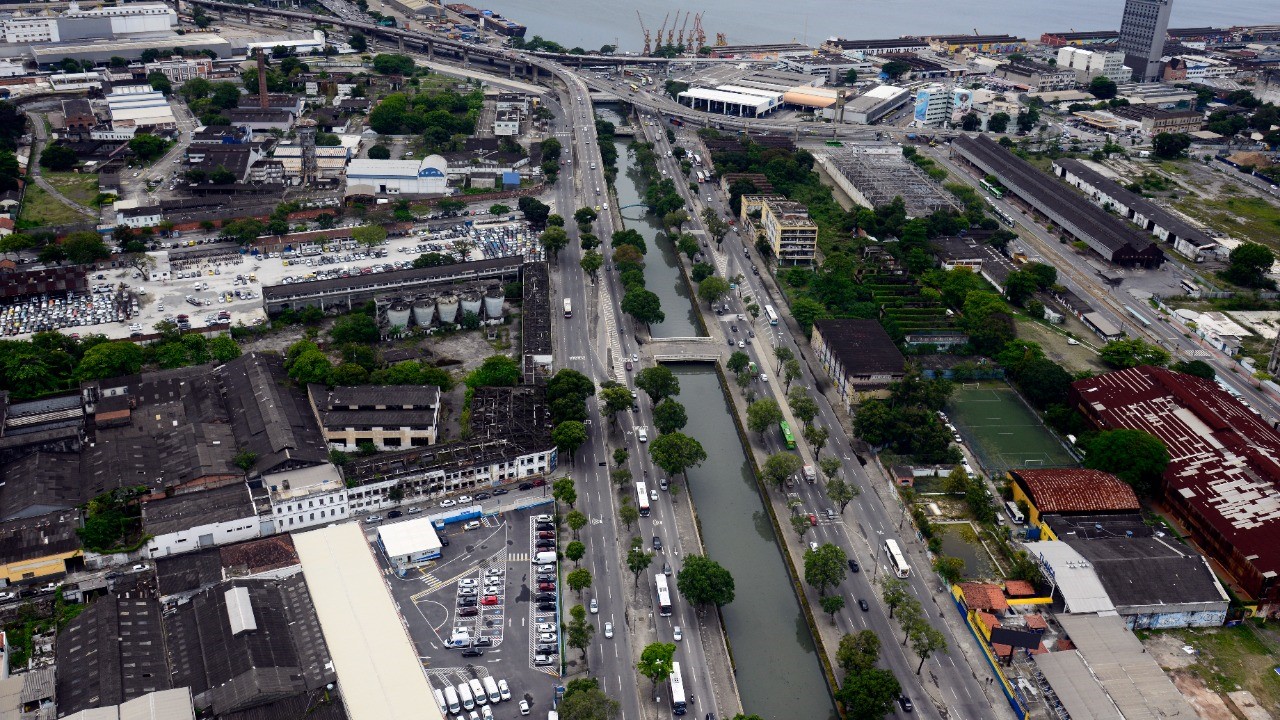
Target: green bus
column 787, row 437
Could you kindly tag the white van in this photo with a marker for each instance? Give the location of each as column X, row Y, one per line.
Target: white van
column 491, row 687
column 477, row 691
column 444, row 707
column 464, row 692
column 544, row 558
column 643, row 433
column 451, row 697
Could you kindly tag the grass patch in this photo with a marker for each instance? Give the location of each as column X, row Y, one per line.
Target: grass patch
column 1173, row 167
column 1239, row 215
column 78, row 187
column 39, row 208
column 1233, row 658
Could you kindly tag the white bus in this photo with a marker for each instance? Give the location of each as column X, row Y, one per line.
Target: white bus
column 679, row 703
column 664, row 595
column 772, row 314
column 1011, row 508
column 697, row 159
column 568, row 308
column 896, row 559
column 702, row 177
column 642, row 499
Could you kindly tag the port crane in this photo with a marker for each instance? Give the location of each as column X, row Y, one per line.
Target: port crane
column 645, row 30
column 699, row 37
column 680, row 37
column 661, row 30
column 671, row 34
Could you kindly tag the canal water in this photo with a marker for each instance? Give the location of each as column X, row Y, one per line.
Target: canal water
column 779, row 674
column 662, row 269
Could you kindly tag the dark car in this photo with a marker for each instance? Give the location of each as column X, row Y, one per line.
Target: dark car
column 731, row 342
column 472, row 652
column 466, row 602
column 853, row 566
column 546, row 535
column 394, row 514
column 444, row 539
column 468, row 612
column 657, row 543
column 483, row 496
column 548, row 649
column 734, row 328
column 546, row 607
column 540, row 527
column 546, row 578
column 545, row 544
column 905, row 702
column 635, row 407
column 863, row 604
column 501, row 491
column 482, row 642
column 525, row 486
column 545, row 597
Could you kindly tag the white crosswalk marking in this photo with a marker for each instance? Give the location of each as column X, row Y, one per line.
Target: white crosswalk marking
column 516, row 557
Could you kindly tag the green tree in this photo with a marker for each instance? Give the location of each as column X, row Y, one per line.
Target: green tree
column 703, row 581
column 1198, row 368
column 970, row 122
column 824, row 567
column 840, row 492
column 804, row 407
column 800, row 524
column 1170, row 146
column 998, row 122
column 358, row 42
column 1136, row 457
column 576, row 520
column 790, row 371
column 869, row 694
column 58, row 157
column 495, row 371
column 379, row 152
column 1249, row 264
column 658, row 382
column 564, row 491
column 638, row 560
column 816, row 436
column 108, row 360
column 643, row 306
column 950, row 568
column 895, row 69
column 675, row 220
column 148, row 147
column 829, row 467
column 656, row 662
column 831, row 604
column 1102, row 87
column 355, row 328
column 737, row 362
column 925, row 641
column 575, row 551
column 1132, row 352
column 780, row 466
column 369, row 235
column 586, row 703
column 553, row 240
column 763, row 414
column 669, row 416
column 620, row 456
column 676, row 453
column 858, row 651
column 591, row 263
column 615, row 400
column 578, row 630
column 584, row 215
column 579, row 580
column 893, row 592
column 712, row 289
column 84, row 247
column 628, row 515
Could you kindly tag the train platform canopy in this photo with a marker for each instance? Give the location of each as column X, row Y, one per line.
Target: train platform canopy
column 378, row 668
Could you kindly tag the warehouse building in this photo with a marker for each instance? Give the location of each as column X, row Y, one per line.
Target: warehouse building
column 1187, row 239
column 1112, row 238
column 390, row 418
column 873, row 175
column 879, row 101
column 732, row 100
column 129, row 49
column 427, row 176
column 409, row 544
column 140, row 110
column 197, row 520
column 858, row 355
column 876, row 47
column 1222, row 480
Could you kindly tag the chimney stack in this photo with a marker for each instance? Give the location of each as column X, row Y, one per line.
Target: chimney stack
column 262, row 80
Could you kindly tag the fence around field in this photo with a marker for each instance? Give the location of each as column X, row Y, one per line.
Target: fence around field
column 1002, row 432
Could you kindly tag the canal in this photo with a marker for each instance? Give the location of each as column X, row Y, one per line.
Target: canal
column 778, row 671
column 661, row 267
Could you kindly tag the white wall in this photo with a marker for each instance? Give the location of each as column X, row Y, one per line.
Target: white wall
column 189, row 540
column 306, row 511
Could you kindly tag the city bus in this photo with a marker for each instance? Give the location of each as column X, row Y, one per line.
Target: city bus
column 568, row 308
column 634, row 88
column 896, row 560
column 642, row 498
column 697, row 159
column 679, row 704
column 664, row 595
column 787, row 437
column 702, row 177
column 772, row 314
column 993, row 189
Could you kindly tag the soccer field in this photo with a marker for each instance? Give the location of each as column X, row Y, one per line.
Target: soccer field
column 1001, row 431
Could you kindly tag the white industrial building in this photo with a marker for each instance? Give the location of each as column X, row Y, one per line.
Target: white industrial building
column 307, row 497
column 732, row 100
column 409, row 544
column 398, row 177
column 331, row 162
column 140, row 107
column 506, row 123
column 875, row 103
column 378, row 668
column 297, row 45
column 933, row 105
column 77, row 24
column 1089, row 64
column 194, row 521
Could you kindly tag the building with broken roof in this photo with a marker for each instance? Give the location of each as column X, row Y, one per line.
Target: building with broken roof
column 390, row 417
column 195, row 520
column 181, row 576
column 858, row 355
column 1221, row 481
column 270, row 417
column 111, row 652
column 244, row 643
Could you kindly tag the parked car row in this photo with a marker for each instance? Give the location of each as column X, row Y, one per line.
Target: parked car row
column 544, row 613
column 105, row 304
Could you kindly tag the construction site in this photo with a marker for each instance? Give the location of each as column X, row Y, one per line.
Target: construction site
column 873, row 175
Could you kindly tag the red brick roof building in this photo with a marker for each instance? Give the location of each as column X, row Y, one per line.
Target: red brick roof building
column 984, row 596
column 1072, row 490
column 1223, row 479
column 1019, row 588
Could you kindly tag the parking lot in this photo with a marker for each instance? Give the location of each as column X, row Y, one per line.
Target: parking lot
column 213, row 284
column 483, row 596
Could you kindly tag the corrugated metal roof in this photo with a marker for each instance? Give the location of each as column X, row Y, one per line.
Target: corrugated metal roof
column 1130, row 676
column 408, row 538
column 1076, row 490
column 1081, row 695
column 1081, row 590
column 162, row 705
column 378, row 667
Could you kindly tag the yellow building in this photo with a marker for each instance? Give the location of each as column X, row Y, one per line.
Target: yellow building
column 790, row 232
column 1071, row 491
column 40, row 548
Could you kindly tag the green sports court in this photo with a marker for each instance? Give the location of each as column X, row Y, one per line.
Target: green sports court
column 1001, row 431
